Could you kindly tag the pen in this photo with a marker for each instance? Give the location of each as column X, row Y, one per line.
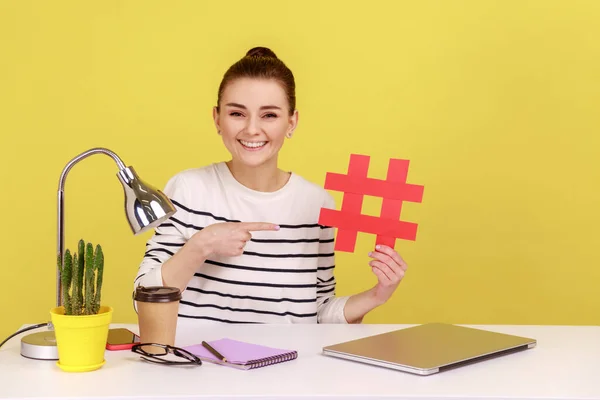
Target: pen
column 214, row 352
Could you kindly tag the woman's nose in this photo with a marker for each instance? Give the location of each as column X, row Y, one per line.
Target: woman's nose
column 253, row 127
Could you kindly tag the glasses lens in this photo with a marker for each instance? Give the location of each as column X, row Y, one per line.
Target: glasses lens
column 152, row 349
column 187, row 355
column 156, row 360
column 158, row 353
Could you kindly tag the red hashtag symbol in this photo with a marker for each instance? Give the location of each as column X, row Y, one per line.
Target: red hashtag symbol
column 355, row 185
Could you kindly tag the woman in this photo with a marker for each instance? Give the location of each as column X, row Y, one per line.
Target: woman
column 245, row 245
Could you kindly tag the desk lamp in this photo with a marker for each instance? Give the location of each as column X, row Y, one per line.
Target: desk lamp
column 145, row 207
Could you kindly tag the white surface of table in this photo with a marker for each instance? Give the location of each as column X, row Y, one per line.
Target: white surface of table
column 564, row 365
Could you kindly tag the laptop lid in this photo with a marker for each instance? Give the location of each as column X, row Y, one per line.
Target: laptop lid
column 429, row 348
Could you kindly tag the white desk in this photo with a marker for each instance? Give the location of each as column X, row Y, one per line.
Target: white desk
column 564, row 365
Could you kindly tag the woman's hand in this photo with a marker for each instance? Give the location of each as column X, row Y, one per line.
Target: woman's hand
column 389, row 268
column 226, row 238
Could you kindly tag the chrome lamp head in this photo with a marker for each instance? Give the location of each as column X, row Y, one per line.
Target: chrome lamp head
column 145, row 206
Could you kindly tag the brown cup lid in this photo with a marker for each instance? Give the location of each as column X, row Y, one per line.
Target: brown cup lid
column 157, row 294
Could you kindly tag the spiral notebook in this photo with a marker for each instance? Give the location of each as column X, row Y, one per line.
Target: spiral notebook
column 242, row 355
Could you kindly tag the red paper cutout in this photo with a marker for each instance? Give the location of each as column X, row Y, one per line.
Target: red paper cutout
column 355, row 185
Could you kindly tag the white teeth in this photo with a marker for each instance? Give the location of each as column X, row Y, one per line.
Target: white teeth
column 253, row 144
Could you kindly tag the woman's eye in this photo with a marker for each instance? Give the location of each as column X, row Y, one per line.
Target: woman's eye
column 271, row 115
column 235, row 114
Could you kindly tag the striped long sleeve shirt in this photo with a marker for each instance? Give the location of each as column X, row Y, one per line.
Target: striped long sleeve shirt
column 284, row 276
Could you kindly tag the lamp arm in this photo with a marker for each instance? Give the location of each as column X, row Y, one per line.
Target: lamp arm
column 61, row 201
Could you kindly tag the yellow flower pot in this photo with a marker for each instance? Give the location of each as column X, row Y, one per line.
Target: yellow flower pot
column 81, row 339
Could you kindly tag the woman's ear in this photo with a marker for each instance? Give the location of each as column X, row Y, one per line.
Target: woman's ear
column 293, row 124
column 216, row 119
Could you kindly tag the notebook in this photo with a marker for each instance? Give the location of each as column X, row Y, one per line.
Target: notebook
column 430, row 348
column 242, row 355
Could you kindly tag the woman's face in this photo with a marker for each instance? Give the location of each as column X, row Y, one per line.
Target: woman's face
column 254, row 120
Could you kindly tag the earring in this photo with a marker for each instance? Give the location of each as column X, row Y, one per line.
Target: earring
column 289, row 134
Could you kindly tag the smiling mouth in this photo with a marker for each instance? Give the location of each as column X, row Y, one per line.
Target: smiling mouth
column 252, row 146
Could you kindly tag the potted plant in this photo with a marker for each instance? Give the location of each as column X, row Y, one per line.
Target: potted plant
column 81, row 324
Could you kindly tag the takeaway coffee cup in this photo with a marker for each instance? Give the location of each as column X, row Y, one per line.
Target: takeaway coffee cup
column 157, row 308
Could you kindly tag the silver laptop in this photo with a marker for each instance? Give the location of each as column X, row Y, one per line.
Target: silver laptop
column 429, row 348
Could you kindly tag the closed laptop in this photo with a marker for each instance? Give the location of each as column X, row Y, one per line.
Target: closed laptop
column 429, row 348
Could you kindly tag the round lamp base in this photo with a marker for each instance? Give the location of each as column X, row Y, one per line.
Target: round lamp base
column 39, row 346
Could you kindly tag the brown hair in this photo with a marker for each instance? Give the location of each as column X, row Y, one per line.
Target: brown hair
column 261, row 63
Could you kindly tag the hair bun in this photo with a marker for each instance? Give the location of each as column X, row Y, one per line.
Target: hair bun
column 260, row 52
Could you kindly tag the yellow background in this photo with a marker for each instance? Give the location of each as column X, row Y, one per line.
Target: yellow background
column 495, row 104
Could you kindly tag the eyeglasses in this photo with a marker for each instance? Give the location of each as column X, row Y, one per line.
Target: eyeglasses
column 162, row 350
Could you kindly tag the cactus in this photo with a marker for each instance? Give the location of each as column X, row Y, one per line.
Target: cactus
column 89, row 279
column 76, row 295
column 81, row 279
column 67, row 272
column 81, row 268
column 99, row 266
